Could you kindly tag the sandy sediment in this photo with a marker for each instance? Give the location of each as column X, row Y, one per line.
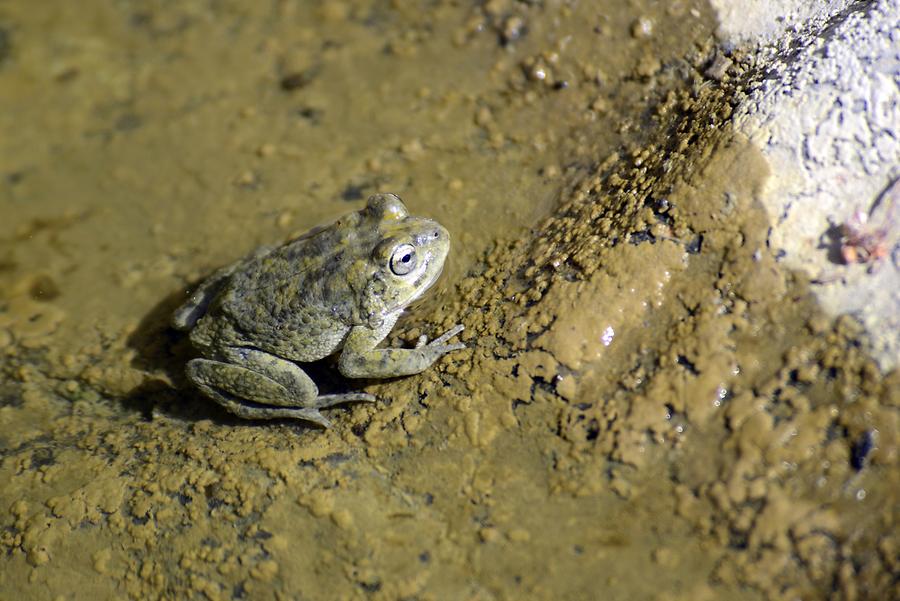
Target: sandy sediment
column 652, row 404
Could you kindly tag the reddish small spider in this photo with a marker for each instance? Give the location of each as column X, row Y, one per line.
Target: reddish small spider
column 869, row 237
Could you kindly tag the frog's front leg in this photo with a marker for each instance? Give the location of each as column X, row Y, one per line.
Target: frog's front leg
column 256, row 385
column 360, row 358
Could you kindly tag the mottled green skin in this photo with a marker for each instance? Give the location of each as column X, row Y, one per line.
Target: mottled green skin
column 336, row 288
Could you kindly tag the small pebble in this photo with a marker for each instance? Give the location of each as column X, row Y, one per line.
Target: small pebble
column 642, row 28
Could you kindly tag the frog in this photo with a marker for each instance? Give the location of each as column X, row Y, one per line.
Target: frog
column 337, row 290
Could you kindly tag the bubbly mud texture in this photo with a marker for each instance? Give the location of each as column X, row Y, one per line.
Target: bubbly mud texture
column 649, row 407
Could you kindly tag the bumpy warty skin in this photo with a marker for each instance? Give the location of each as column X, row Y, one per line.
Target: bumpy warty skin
column 336, row 288
column 300, row 300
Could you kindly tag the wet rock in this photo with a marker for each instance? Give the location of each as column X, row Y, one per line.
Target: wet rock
column 824, row 177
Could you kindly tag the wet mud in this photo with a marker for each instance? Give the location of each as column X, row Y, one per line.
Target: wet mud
column 650, row 405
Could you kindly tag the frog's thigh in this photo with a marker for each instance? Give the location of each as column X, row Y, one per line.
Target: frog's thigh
column 301, row 391
column 247, row 393
column 237, row 382
column 297, row 388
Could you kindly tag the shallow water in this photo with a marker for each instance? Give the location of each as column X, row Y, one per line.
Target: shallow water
column 650, row 406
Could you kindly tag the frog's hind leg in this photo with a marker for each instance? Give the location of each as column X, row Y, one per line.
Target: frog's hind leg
column 255, row 385
column 302, row 391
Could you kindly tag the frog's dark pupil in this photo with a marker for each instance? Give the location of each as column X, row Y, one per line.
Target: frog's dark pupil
column 405, row 258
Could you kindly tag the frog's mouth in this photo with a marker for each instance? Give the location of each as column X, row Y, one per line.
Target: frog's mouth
column 430, row 282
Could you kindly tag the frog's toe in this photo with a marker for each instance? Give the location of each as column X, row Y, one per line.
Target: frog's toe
column 440, row 345
column 447, row 348
column 443, row 338
column 330, row 400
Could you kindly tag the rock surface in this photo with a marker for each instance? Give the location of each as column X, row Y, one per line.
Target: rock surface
column 827, row 119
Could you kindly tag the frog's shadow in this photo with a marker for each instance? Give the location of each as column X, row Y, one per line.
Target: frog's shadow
column 161, row 352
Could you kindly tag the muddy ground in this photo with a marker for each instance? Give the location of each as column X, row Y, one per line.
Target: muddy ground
column 650, row 405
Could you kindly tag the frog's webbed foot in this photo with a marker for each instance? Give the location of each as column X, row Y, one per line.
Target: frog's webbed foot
column 255, row 385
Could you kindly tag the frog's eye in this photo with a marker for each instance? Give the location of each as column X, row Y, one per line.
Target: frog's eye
column 403, row 259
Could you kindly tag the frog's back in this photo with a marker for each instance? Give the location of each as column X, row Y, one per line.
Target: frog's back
column 298, row 301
